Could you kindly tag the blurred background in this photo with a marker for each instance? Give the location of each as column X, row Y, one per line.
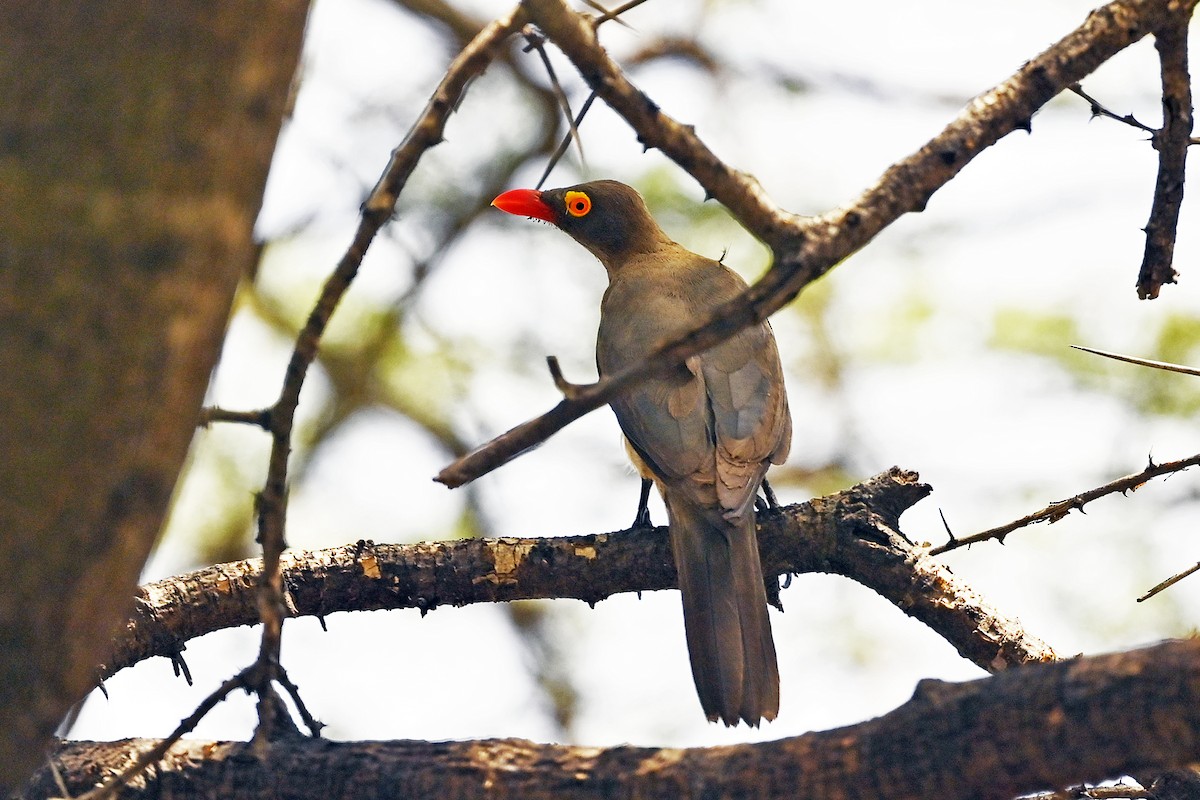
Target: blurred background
column 941, row 348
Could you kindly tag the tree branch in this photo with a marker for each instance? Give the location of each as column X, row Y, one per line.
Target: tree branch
column 1060, row 508
column 852, row 533
column 804, row 248
column 425, row 133
column 1172, row 144
column 1027, row 729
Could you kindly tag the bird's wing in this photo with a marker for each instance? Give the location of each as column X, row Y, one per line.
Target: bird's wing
column 744, row 384
column 719, row 419
column 665, row 421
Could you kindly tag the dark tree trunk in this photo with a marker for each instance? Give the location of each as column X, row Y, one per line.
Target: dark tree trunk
column 134, row 144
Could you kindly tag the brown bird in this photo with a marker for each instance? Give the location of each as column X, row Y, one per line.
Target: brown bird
column 705, row 433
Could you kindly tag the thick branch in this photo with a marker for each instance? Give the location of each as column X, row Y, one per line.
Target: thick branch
column 804, row 248
column 852, row 533
column 1037, row 727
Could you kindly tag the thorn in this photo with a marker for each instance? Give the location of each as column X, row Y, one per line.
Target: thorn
column 180, row 666
column 946, row 525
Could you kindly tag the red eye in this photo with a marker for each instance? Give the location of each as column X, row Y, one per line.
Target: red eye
column 578, row 204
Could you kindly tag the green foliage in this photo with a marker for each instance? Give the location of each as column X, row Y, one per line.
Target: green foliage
column 1038, row 333
column 1149, row 391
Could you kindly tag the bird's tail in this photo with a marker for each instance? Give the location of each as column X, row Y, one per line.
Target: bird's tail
column 724, row 611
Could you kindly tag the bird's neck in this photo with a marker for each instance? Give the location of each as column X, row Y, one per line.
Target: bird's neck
column 649, row 255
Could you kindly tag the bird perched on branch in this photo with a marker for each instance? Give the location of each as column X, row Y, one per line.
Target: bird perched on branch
column 705, row 432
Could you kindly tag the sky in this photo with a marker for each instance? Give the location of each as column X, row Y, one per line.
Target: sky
column 942, row 347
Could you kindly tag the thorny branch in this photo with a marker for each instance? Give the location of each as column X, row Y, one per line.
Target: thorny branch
column 1099, row 110
column 804, row 248
column 424, row 134
column 1061, row 508
column 852, row 533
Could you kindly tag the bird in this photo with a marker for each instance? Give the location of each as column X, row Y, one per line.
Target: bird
column 705, row 432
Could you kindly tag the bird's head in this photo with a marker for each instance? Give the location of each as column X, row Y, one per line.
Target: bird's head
column 608, row 218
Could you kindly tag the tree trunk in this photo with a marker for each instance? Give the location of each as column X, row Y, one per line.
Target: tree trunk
column 134, row 144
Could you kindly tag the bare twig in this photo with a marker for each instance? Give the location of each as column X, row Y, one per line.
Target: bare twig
column 1169, row 582
column 147, row 758
column 566, row 142
column 538, row 42
column 1141, row 362
column 804, row 248
column 260, row 418
column 567, row 388
column 1057, row 510
column 1098, row 110
column 616, row 12
column 1170, row 39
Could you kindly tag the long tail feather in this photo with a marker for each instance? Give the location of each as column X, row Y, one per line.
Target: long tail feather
column 724, row 612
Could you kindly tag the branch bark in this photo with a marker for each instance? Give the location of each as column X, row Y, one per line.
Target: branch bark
column 1172, row 142
column 1036, row 727
column 852, row 533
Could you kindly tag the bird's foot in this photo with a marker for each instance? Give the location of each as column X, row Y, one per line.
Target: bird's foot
column 642, row 519
column 770, row 503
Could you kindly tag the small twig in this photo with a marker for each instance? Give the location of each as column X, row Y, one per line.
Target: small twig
column 616, row 12
column 260, row 418
column 606, row 15
column 152, row 756
column 1099, row 110
column 1057, row 510
column 1142, row 362
column 566, row 142
column 946, row 525
column 312, row 723
column 568, row 389
column 1169, row 582
column 52, row 762
column 537, row 41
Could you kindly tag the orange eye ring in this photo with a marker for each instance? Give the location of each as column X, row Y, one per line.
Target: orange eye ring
column 578, row 204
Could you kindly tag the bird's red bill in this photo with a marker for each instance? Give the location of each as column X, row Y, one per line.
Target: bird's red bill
column 525, row 203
